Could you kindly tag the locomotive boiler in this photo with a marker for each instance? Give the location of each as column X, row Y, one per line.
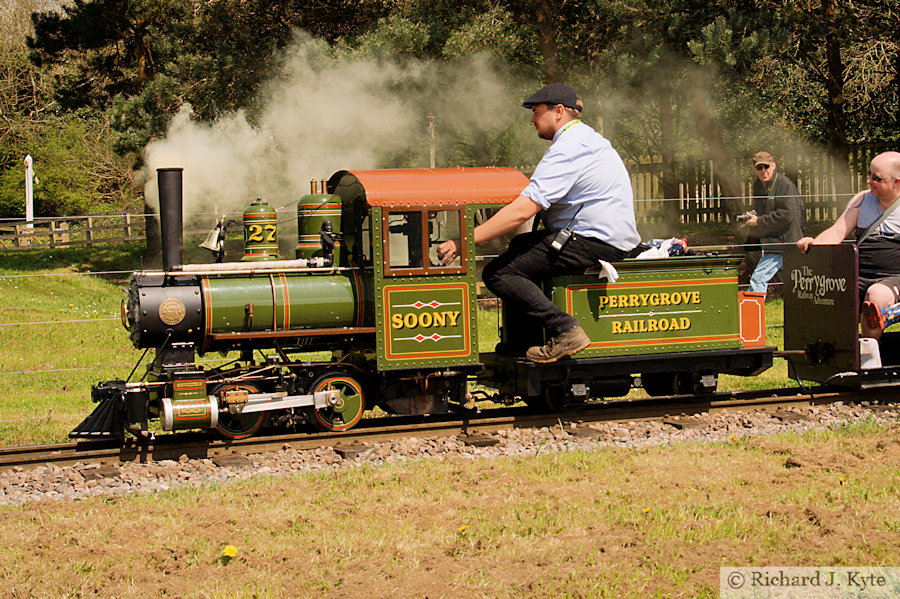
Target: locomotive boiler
column 366, row 315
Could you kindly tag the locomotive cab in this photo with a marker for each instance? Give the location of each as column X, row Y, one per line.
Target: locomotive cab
column 426, row 347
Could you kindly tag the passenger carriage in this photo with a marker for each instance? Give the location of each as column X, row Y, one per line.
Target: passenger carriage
column 821, row 315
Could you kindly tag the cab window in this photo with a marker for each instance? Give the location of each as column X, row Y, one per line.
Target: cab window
column 412, row 239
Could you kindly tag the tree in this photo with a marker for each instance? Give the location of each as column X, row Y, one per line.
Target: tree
column 77, row 170
column 143, row 59
column 837, row 65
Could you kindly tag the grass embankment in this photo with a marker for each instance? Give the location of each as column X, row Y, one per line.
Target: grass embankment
column 61, row 333
column 613, row 522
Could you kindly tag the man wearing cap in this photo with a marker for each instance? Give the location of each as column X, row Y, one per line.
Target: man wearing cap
column 778, row 217
column 581, row 187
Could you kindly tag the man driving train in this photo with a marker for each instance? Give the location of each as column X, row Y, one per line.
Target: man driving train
column 583, row 192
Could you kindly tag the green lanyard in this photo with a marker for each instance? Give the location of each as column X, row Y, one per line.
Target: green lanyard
column 569, row 124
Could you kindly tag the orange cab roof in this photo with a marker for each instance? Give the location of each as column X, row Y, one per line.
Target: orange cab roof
column 441, row 186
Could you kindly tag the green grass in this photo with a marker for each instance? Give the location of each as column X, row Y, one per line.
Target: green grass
column 47, row 365
column 46, row 370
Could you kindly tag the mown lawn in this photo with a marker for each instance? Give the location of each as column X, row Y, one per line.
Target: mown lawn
column 61, row 333
column 612, row 522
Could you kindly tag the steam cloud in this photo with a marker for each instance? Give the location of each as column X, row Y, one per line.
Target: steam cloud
column 322, row 115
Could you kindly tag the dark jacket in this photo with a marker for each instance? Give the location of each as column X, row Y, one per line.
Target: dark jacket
column 779, row 213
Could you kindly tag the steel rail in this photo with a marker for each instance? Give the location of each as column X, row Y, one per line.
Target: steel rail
column 469, row 424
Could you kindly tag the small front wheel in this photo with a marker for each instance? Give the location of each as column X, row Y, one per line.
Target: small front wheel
column 345, row 410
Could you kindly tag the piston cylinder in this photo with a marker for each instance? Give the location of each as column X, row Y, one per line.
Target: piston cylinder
column 189, row 413
column 190, row 406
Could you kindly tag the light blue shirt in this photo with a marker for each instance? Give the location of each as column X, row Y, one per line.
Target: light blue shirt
column 581, row 169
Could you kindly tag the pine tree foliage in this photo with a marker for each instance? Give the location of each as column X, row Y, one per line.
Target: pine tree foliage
column 676, row 80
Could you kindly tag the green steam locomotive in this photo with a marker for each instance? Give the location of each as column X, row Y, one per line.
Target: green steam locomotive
column 397, row 329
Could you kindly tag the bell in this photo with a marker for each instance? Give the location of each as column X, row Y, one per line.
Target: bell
column 212, row 240
column 215, row 240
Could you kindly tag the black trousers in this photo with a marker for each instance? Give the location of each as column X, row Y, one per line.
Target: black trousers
column 515, row 277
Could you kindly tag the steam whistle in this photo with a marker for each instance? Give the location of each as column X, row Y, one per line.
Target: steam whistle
column 215, row 241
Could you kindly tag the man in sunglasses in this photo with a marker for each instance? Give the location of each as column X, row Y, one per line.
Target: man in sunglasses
column 879, row 242
column 777, row 218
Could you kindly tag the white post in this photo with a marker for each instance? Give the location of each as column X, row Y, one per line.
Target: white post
column 29, row 192
column 431, row 160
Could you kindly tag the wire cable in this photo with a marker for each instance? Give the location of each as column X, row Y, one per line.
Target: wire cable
column 68, row 274
column 42, row 322
column 217, row 213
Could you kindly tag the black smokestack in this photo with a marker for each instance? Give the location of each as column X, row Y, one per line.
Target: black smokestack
column 170, row 216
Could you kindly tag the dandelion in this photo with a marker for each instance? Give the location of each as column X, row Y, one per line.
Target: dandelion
column 646, row 510
column 462, row 528
column 228, row 554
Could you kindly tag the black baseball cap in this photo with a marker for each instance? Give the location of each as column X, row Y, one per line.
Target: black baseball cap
column 557, row 93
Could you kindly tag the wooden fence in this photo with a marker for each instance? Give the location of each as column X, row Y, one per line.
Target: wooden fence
column 69, row 231
column 700, row 198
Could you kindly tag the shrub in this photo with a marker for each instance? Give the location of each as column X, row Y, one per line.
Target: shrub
column 76, row 171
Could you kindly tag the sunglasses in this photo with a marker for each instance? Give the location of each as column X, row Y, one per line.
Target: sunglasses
column 878, row 179
column 762, row 167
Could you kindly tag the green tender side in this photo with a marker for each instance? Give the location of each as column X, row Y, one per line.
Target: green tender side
column 283, row 302
column 672, row 305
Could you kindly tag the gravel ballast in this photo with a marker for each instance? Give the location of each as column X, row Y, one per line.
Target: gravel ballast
column 83, row 481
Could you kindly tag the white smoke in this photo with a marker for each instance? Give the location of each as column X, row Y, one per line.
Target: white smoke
column 321, row 115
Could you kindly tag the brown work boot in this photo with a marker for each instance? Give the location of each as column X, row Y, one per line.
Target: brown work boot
column 566, row 344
